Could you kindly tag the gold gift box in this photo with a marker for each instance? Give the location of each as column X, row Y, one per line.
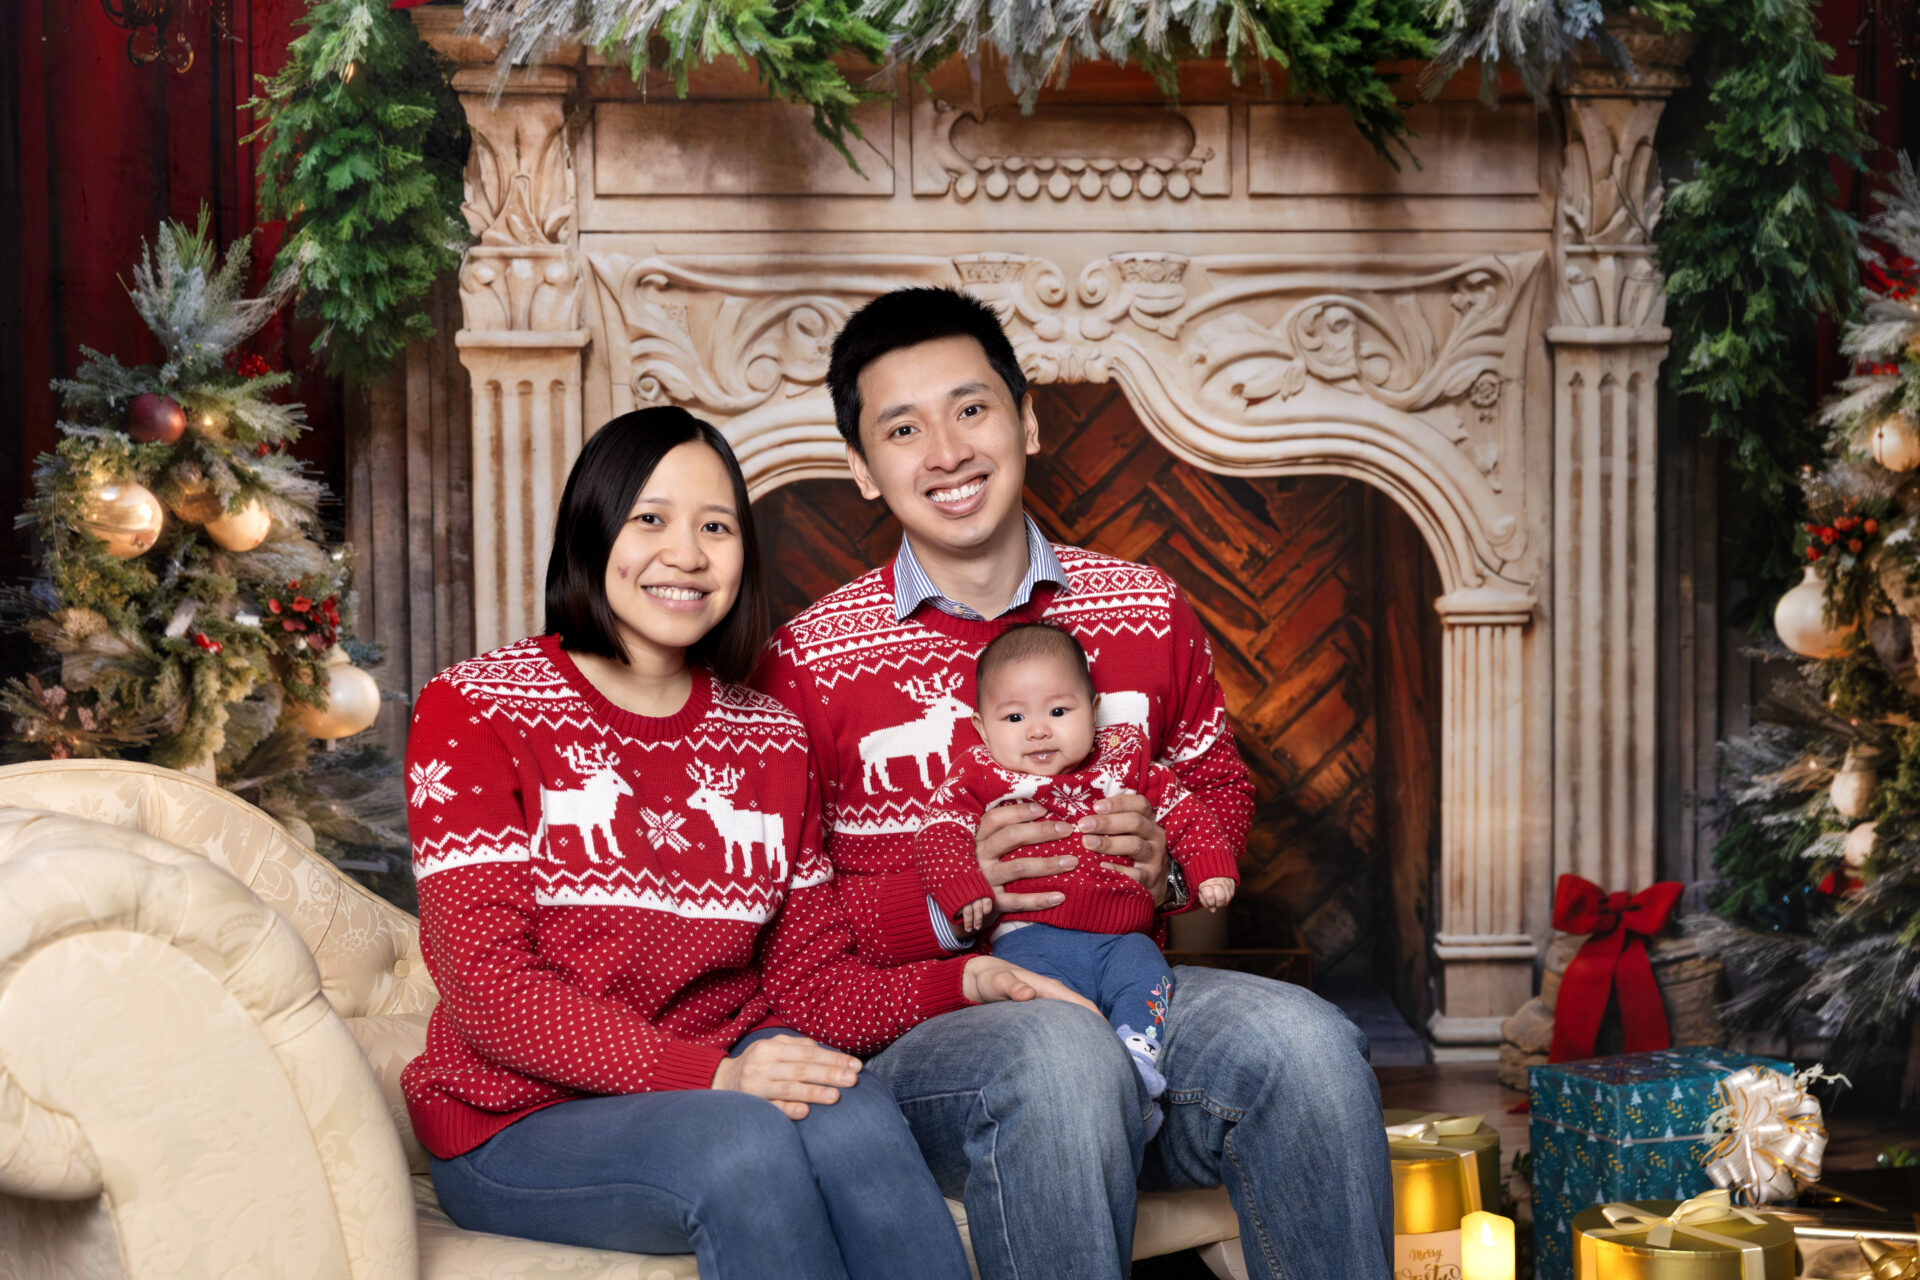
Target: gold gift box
column 1829, row 1239
column 1429, row 1191
column 1602, row 1251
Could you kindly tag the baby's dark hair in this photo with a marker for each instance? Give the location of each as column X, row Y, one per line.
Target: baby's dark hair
column 1027, row 641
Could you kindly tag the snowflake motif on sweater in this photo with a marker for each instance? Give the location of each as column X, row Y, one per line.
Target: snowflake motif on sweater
column 869, row 688
column 615, row 898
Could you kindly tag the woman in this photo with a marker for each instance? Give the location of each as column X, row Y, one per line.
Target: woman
column 621, row 883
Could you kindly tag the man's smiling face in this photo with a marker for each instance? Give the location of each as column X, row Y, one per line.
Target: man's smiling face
column 945, row 444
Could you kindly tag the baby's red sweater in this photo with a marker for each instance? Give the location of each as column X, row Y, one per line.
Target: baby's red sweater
column 608, row 901
column 1098, row 899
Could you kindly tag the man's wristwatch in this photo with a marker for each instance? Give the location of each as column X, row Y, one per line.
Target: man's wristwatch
column 1176, row 888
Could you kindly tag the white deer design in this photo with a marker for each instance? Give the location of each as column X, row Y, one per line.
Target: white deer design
column 931, row 735
column 1123, row 706
column 589, row 806
column 1025, row 786
column 738, row 828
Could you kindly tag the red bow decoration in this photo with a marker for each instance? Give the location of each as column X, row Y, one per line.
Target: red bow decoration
column 1615, row 954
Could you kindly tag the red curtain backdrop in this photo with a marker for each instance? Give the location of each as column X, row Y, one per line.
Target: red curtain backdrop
column 94, row 153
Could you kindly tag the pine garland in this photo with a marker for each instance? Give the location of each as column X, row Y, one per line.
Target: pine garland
column 1331, row 51
column 365, row 143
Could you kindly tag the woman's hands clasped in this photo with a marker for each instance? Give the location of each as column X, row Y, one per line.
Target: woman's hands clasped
column 792, row 1072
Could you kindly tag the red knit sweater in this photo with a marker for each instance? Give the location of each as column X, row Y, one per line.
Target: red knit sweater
column 1098, row 900
column 608, row 900
column 887, row 704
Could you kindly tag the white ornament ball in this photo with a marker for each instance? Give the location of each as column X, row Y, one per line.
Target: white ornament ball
column 1858, row 846
column 1799, row 620
column 125, row 516
column 353, row 700
column 1896, row 443
column 241, row 530
column 1853, row 788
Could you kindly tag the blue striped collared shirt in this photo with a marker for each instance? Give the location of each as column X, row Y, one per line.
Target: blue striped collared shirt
column 913, row 588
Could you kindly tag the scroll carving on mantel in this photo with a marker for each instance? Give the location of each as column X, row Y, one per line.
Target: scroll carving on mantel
column 1067, row 152
column 520, row 205
column 1610, row 192
column 1394, row 371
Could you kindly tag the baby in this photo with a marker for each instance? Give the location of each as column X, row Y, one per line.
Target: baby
column 1035, row 715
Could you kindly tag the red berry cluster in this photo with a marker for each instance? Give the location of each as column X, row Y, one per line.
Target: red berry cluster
column 1896, row 280
column 252, row 365
column 207, row 642
column 1848, row 532
column 318, row 621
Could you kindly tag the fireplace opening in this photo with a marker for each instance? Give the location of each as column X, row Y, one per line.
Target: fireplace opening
column 1318, row 594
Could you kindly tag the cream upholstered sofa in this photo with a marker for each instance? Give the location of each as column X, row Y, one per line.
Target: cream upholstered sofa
column 202, row 1026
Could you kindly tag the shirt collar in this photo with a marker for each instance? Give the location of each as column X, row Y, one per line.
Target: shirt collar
column 913, row 588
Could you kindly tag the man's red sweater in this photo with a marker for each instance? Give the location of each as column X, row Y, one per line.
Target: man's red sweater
column 608, row 900
column 1098, row 900
column 887, row 705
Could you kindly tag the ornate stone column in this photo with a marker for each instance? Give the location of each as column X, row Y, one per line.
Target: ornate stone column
column 1484, row 951
column 521, row 338
column 1608, row 343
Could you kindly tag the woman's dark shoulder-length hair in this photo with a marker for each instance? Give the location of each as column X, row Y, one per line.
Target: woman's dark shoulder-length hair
column 605, row 480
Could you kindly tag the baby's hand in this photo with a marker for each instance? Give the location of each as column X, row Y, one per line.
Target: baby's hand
column 1216, row 893
column 974, row 914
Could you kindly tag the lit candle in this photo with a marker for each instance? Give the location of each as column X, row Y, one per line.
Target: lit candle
column 1486, row 1247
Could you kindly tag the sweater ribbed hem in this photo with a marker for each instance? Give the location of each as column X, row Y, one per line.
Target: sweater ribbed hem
column 685, row 1065
column 951, row 895
column 1211, row 865
column 906, row 925
column 1095, row 913
column 942, row 988
column 448, row 1127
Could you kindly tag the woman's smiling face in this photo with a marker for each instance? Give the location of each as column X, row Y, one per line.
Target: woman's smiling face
column 675, row 568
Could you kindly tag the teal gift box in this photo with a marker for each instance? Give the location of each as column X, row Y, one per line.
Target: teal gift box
column 1624, row 1128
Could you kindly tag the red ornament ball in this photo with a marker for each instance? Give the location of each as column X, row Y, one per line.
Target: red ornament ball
column 1871, row 527
column 156, row 419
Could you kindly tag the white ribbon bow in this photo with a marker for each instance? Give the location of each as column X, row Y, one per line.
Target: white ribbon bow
column 1433, row 1130
column 1771, row 1137
column 1686, row 1219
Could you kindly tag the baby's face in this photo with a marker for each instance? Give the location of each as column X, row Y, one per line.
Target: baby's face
column 1036, row 717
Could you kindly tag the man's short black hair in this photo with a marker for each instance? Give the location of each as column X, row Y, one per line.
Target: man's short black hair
column 907, row 318
column 1023, row 643
column 606, row 478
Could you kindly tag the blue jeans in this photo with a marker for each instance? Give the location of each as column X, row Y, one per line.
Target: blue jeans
column 1120, row 972
column 1031, row 1114
column 841, row 1195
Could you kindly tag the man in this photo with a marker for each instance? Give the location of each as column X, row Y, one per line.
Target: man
column 1031, row 1113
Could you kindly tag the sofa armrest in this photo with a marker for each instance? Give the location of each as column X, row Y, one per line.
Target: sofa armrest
column 164, row 1041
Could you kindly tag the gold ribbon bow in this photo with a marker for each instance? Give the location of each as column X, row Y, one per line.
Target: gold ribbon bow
column 1688, row 1219
column 1772, row 1139
column 1889, row 1262
column 1433, row 1130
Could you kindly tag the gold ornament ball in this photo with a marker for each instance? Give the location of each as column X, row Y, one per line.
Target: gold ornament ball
column 1853, row 788
column 190, row 495
column 1799, row 620
column 125, row 516
column 353, row 700
column 241, row 530
column 1858, row 846
column 1896, row 444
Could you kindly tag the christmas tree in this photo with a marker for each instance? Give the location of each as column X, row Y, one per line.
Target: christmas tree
column 1819, row 867
column 192, row 613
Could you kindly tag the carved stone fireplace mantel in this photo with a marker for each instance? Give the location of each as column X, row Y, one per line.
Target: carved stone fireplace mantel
column 1477, row 338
